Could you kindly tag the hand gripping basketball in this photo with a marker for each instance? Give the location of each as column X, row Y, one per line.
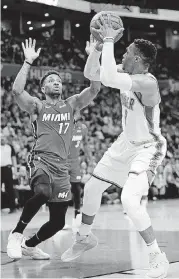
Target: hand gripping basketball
column 106, row 29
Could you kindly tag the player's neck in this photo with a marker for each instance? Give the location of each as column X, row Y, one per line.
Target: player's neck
column 53, row 100
column 139, row 70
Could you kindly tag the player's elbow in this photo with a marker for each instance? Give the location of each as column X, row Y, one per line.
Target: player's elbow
column 15, row 90
column 95, row 87
column 105, row 78
column 87, row 72
column 92, row 74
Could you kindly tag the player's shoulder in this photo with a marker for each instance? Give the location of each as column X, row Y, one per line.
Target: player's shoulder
column 37, row 105
column 146, row 86
column 150, row 76
column 151, row 80
column 37, row 99
column 40, row 103
column 43, row 102
column 144, row 83
column 147, row 77
column 70, row 102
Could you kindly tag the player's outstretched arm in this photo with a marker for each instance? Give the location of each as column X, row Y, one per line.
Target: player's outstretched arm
column 80, row 101
column 110, row 73
column 25, row 101
column 92, row 67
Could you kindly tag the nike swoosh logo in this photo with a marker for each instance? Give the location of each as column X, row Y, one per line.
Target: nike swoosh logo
column 147, row 145
column 62, row 106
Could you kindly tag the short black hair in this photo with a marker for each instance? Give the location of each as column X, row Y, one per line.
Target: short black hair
column 50, row 72
column 147, row 49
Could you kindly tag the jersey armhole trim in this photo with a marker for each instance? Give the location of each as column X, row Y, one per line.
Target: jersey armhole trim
column 73, row 110
column 137, row 97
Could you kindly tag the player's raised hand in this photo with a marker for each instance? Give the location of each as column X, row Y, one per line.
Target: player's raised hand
column 93, row 43
column 29, row 50
column 106, row 29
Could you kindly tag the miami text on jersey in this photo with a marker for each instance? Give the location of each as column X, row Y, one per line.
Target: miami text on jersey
column 56, row 117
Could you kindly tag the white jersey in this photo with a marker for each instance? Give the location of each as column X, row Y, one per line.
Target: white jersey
column 140, row 123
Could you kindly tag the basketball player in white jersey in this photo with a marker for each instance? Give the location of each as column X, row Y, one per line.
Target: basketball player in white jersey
column 132, row 160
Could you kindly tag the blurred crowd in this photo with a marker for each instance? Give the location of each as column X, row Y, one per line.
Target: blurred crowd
column 64, row 54
column 103, row 116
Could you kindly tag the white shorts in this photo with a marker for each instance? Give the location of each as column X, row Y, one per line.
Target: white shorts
column 123, row 158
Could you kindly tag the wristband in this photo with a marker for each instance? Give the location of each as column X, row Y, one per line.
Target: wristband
column 98, row 51
column 28, row 63
column 108, row 39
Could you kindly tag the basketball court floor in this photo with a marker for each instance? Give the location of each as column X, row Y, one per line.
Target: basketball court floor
column 121, row 252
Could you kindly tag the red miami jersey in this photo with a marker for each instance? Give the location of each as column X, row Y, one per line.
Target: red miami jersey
column 53, row 129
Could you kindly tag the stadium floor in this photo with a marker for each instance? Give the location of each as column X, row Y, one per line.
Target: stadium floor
column 121, row 252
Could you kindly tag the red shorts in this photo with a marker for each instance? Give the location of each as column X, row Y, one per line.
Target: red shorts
column 58, row 177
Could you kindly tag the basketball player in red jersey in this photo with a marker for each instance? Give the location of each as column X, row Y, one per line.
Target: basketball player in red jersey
column 53, row 122
column 132, row 160
column 80, row 136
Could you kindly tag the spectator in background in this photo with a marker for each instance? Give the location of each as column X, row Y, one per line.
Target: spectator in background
column 112, row 195
column 171, row 175
column 8, row 159
column 85, row 173
column 177, row 173
column 158, row 188
column 8, row 131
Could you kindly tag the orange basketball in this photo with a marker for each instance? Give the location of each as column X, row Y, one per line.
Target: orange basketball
column 115, row 20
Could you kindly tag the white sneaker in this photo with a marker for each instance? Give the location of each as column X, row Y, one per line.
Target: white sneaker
column 81, row 244
column 159, row 265
column 14, row 245
column 34, row 252
column 76, row 223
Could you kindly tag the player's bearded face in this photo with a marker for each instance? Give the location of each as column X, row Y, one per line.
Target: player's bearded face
column 128, row 61
column 53, row 85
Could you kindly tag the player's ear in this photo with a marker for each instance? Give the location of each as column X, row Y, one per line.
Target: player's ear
column 43, row 89
column 137, row 58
